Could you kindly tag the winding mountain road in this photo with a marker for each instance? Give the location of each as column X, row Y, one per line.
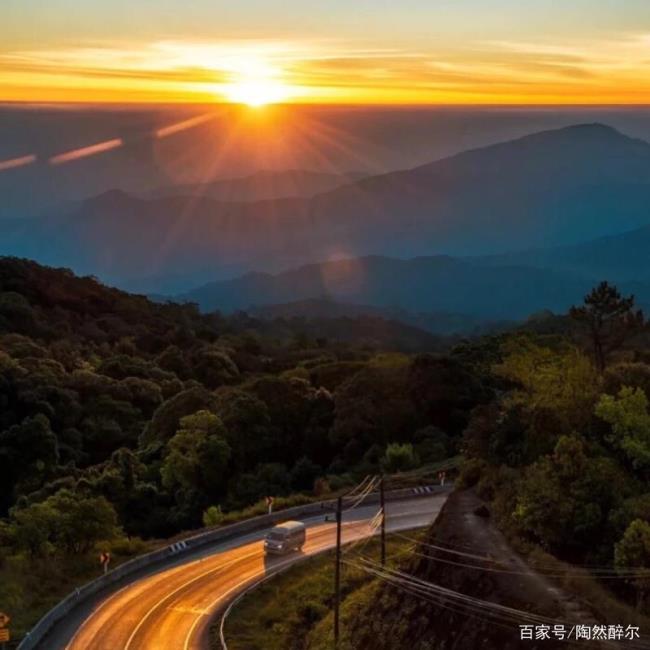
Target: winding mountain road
column 172, row 608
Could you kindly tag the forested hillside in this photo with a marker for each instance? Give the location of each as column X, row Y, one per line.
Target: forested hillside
column 561, row 458
column 134, row 417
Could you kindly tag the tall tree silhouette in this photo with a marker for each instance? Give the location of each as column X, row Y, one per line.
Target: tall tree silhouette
column 610, row 319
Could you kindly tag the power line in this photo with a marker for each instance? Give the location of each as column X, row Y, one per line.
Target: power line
column 473, row 605
column 524, row 573
column 373, row 525
column 359, row 486
column 603, row 571
column 369, row 488
column 471, row 602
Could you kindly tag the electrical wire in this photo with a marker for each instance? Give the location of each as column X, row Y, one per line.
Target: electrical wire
column 467, row 604
column 599, row 571
column 373, row 526
column 477, row 604
column 482, row 610
column 525, row 573
column 359, row 486
column 369, row 488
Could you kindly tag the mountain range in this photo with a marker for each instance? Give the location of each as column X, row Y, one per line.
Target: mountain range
column 262, row 185
column 327, row 308
column 549, row 189
column 570, row 205
column 441, row 294
column 623, row 257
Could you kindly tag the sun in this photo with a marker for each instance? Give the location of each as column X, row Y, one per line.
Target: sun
column 254, row 78
column 256, row 92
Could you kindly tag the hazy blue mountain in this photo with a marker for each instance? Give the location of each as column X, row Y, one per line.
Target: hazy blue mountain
column 548, row 189
column 622, row 258
column 338, row 139
column 424, row 284
column 262, row 185
column 327, row 308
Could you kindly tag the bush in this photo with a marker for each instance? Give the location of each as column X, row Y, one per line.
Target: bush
column 399, row 458
column 470, row 472
column 129, row 546
column 65, row 521
column 487, row 485
column 213, row 516
column 633, row 552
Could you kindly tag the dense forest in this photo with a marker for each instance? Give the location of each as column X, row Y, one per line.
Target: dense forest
column 123, row 417
column 561, row 456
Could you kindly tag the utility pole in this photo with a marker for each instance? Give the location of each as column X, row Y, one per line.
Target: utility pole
column 382, row 504
column 337, row 572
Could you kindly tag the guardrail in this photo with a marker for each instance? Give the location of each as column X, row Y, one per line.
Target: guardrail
column 39, row 632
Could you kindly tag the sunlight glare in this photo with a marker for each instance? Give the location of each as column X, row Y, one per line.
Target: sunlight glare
column 255, row 83
column 257, row 92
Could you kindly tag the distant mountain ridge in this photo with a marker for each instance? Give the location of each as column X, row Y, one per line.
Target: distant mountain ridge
column 440, row 323
column 441, row 294
column 262, row 185
column 623, row 257
column 424, row 284
column 548, row 189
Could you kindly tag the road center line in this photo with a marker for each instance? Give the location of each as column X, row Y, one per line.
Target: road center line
column 175, row 591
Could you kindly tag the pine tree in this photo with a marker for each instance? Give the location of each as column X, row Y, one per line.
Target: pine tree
column 609, row 318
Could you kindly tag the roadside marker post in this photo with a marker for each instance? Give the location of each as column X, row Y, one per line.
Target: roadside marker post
column 105, row 560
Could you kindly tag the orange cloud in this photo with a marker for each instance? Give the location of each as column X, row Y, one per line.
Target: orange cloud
column 596, row 71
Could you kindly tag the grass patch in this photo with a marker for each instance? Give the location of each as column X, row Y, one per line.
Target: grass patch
column 30, row 587
column 282, row 613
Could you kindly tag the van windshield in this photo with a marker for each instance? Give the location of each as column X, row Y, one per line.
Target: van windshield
column 276, row 534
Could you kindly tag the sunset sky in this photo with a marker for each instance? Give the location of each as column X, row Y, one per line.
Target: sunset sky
column 308, row 51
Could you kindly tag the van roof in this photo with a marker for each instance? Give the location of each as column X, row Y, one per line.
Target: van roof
column 291, row 525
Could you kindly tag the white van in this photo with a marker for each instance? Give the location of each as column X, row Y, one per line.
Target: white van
column 285, row 538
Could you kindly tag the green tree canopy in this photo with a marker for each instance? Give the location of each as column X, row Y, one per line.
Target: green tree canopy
column 66, row 521
column 609, row 319
column 564, row 498
column 399, row 457
column 554, row 391
column 197, row 455
column 633, row 553
column 627, row 413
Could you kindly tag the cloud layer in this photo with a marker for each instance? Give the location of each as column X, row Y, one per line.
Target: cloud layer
column 609, row 71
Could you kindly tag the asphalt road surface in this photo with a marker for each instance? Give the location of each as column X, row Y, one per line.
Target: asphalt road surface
column 172, row 608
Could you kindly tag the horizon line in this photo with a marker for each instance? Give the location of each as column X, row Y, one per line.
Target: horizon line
column 347, row 105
